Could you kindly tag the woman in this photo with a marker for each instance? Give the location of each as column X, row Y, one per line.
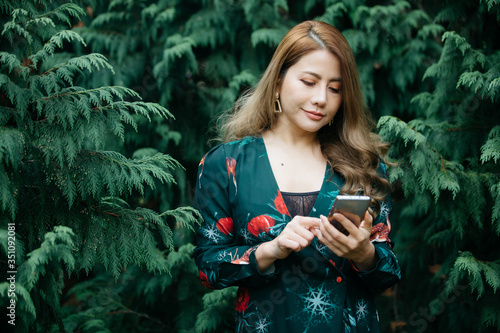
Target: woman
column 292, row 145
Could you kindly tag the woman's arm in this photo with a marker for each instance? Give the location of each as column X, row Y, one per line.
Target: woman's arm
column 221, row 260
column 296, row 236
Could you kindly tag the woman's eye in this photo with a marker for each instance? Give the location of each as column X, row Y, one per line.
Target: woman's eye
column 335, row 90
column 307, row 83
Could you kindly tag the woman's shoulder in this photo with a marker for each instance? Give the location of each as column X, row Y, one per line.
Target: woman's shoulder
column 234, row 148
column 245, row 142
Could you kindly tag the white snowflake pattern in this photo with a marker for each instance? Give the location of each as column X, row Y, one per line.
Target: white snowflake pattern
column 223, row 254
column 262, row 325
column 361, row 309
column 317, row 306
column 384, row 211
column 322, row 248
column 246, row 236
column 212, row 233
column 317, row 301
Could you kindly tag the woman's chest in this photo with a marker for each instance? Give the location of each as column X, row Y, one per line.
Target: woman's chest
column 297, row 173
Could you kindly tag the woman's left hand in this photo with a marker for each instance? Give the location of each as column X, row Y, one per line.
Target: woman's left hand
column 356, row 246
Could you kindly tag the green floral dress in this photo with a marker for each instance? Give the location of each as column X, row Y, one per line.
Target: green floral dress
column 313, row 290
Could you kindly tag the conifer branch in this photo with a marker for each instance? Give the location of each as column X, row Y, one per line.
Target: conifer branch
column 477, row 269
column 56, row 168
column 64, row 12
column 79, row 91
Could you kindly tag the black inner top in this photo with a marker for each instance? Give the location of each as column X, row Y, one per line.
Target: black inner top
column 299, row 203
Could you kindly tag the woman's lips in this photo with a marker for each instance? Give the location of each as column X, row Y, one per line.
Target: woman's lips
column 314, row 115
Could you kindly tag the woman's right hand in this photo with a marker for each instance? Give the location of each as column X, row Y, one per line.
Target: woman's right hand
column 297, row 235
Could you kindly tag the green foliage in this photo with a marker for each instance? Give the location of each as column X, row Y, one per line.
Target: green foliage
column 218, row 306
column 66, row 203
column 103, row 304
column 200, row 57
column 466, row 263
column 448, row 171
column 429, row 72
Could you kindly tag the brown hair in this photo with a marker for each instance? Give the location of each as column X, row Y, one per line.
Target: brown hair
column 349, row 144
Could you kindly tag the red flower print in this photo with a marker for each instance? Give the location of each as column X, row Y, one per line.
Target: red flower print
column 280, row 204
column 380, row 232
column 225, row 225
column 231, row 169
column 202, row 163
column 204, row 280
column 260, row 224
column 242, row 299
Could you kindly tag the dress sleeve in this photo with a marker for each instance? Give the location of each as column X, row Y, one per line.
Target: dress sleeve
column 387, row 271
column 221, row 261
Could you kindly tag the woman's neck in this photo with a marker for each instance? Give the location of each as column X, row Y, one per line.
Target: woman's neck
column 294, row 145
column 292, row 139
column 297, row 161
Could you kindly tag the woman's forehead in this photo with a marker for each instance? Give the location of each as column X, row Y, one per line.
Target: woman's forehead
column 321, row 64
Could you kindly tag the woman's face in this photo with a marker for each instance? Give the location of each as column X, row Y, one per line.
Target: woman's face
column 310, row 92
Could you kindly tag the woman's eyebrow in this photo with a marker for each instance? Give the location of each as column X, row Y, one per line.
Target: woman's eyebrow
column 316, row 75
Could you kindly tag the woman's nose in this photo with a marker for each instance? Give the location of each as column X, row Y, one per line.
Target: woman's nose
column 319, row 97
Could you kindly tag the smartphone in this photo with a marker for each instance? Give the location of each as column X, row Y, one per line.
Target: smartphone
column 351, row 206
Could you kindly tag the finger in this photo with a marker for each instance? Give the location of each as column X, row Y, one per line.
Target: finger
column 300, row 227
column 334, row 239
column 330, row 233
column 367, row 222
column 290, row 244
column 306, row 234
column 346, row 223
column 296, row 242
column 298, row 234
column 308, row 222
column 316, row 232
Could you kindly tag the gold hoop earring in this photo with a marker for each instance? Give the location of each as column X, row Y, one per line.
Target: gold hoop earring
column 330, row 123
column 277, row 104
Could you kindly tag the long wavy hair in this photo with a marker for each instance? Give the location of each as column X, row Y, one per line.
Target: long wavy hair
column 349, row 144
